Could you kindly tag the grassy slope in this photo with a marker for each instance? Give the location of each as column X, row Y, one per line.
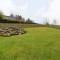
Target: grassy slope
column 37, row 44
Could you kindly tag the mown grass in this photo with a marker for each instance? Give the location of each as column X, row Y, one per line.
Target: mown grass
column 40, row 43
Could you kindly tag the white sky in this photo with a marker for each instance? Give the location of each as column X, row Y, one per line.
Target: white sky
column 37, row 10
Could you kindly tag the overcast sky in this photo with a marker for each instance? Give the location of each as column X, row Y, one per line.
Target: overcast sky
column 37, row 10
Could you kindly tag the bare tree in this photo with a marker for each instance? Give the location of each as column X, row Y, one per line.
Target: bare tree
column 29, row 21
column 11, row 15
column 54, row 22
column 46, row 22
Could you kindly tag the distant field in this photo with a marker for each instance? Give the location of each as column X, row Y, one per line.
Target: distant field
column 16, row 24
column 39, row 43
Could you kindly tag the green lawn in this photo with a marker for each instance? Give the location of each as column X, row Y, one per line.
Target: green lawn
column 40, row 43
